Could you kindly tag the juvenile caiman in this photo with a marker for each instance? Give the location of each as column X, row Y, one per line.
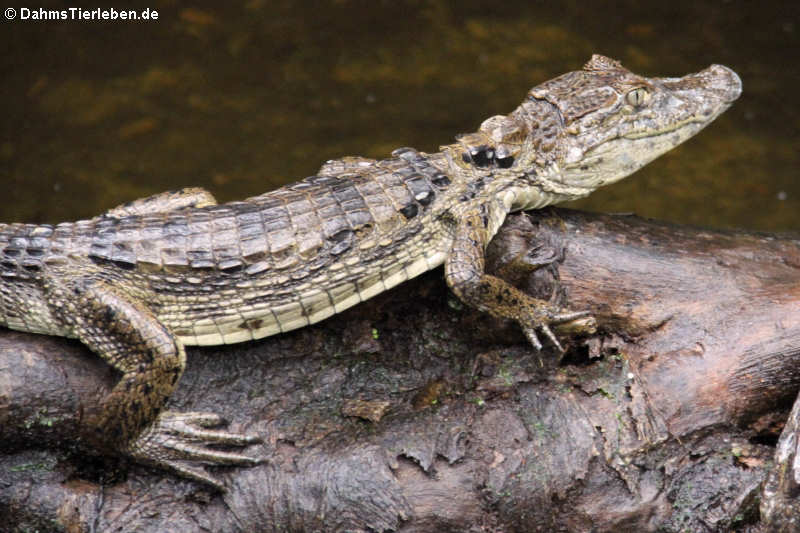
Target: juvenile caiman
column 139, row 282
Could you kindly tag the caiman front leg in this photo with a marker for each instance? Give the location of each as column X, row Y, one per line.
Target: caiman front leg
column 164, row 202
column 127, row 335
column 464, row 271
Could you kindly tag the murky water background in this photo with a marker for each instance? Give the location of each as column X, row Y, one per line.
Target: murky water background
column 242, row 97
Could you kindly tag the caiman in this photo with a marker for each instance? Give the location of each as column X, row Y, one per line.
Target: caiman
column 141, row 281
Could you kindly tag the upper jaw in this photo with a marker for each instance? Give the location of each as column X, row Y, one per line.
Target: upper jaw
column 717, row 82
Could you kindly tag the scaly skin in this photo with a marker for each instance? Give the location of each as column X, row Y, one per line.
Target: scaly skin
column 139, row 282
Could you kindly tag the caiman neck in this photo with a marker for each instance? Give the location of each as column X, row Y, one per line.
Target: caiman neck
column 514, row 158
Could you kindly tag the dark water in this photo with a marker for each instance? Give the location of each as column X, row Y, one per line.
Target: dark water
column 243, row 97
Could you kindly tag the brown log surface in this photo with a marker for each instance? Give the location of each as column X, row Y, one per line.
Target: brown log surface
column 412, row 413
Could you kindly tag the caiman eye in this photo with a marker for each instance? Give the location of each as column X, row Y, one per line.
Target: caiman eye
column 637, row 97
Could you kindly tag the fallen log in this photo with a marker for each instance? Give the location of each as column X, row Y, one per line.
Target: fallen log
column 410, row 412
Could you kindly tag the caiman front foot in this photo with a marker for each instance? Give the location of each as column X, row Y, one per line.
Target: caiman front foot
column 182, row 442
column 464, row 272
column 576, row 322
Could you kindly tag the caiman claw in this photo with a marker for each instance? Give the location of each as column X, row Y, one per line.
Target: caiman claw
column 571, row 320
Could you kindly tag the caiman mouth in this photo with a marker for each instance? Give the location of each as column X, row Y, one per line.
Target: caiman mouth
column 666, row 130
column 699, row 121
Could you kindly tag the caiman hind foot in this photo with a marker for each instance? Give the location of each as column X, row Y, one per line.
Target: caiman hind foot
column 125, row 332
column 181, row 442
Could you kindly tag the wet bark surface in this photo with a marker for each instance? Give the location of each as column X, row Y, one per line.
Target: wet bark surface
column 412, row 413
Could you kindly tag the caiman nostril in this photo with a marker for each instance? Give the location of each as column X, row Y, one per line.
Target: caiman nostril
column 726, row 81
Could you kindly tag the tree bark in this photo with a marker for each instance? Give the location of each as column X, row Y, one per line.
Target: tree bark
column 412, row 413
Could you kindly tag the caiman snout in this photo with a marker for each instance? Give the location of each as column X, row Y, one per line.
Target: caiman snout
column 723, row 81
column 706, row 93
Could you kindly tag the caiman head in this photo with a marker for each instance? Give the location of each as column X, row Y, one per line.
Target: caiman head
column 592, row 127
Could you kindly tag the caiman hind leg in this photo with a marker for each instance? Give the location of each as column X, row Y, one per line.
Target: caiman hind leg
column 128, row 336
column 164, row 203
column 464, row 271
